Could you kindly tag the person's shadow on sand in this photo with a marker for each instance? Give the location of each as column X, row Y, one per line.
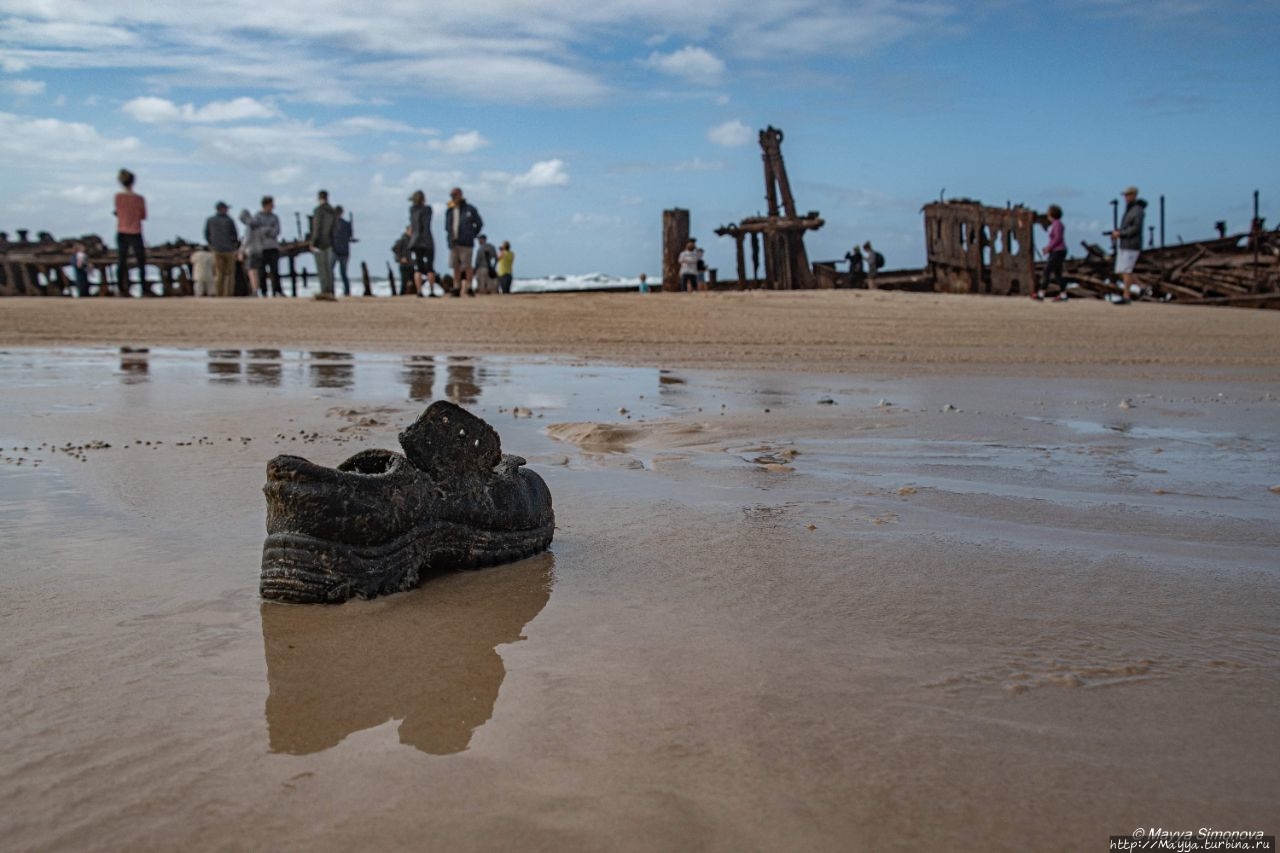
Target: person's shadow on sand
column 426, row 657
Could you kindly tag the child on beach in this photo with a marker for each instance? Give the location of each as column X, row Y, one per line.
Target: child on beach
column 80, row 262
column 202, row 272
column 1055, row 253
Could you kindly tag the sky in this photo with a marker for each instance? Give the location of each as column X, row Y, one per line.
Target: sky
column 572, row 124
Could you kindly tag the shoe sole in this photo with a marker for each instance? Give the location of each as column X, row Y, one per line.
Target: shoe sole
column 304, row 569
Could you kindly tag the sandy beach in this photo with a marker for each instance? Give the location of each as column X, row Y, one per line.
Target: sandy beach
column 832, row 571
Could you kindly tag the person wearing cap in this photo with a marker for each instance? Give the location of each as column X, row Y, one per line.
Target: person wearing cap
column 223, row 239
column 462, row 225
column 1129, row 243
column 422, row 246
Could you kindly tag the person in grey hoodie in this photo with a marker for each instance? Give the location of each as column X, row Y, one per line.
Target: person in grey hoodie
column 221, row 235
column 1129, row 245
column 262, row 247
column 321, row 240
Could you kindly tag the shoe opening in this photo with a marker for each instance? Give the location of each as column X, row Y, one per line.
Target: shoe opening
column 370, row 462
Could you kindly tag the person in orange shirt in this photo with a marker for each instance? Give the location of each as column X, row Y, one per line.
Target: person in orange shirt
column 131, row 209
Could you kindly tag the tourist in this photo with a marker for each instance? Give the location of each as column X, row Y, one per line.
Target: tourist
column 854, row 257
column 689, row 267
column 404, row 259
column 202, row 277
column 644, row 283
column 1129, row 245
column 321, row 241
column 265, row 227
column 80, row 263
column 221, row 235
column 462, row 224
column 342, row 239
column 506, row 262
column 130, row 210
column 422, row 246
column 875, row 262
column 486, row 266
column 1055, row 252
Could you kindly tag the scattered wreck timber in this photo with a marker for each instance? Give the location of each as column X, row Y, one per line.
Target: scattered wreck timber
column 1240, row 270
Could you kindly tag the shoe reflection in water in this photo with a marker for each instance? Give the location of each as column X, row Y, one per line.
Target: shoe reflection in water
column 427, row 658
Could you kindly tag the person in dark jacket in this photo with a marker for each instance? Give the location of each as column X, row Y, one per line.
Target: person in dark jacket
column 1129, row 244
column 321, row 240
column 462, row 225
column 404, row 259
column 342, row 240
column 422, row 245
column 224, row 240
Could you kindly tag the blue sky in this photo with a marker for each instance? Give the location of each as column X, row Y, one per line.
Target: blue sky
column 572, row 124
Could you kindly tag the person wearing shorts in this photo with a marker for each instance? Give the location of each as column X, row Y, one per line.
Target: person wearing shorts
column 462, row 225
column 1129, row 244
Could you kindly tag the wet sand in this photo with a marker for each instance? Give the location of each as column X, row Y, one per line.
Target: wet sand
column 920, row 597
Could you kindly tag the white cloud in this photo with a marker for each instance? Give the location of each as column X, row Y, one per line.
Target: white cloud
column 547, row 173
column 596, row 220
column 459, row 143
column 87, row 196
column 377, row 124
column 13, row 65
column 23, row 88
column 697, row 164
column 696, row 64
column 153, row 110
column 731, row 134
column 285, row 175
column 50, row 140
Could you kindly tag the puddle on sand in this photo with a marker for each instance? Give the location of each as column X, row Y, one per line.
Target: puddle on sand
column 741, row 643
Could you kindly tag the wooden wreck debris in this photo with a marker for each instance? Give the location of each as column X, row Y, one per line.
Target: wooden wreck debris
column 1240, row 270
column 972, row 248
column 41, row 267
column 786, row 263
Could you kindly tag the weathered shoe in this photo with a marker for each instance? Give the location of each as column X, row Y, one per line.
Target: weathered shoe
column 381, row 521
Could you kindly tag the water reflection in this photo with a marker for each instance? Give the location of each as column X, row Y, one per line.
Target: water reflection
column 224, row 365
column 460, row 386
column 134, row 366
column 264, row 367
column 427, row 658
column 332, row 370
column 419, row 374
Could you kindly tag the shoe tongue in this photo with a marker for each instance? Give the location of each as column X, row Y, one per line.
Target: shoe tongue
column 449, row 443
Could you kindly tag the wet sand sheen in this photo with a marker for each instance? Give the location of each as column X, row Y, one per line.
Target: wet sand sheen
column 1031, row 619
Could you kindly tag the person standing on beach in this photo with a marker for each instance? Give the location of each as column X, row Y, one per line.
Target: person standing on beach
column 422, row 246
column 689, row 267
column 1129, row 235
column 404, row 259
column 875, row 261
column 202, row 277
column 486, row 266
column 342, row 238
column 130, row 211
column 462, row 225
column 80, row 263
column 265, row 229
column 506, row 263
column 854, row 257
column 221, row 235
column 321, row 240
column 1055, row 252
